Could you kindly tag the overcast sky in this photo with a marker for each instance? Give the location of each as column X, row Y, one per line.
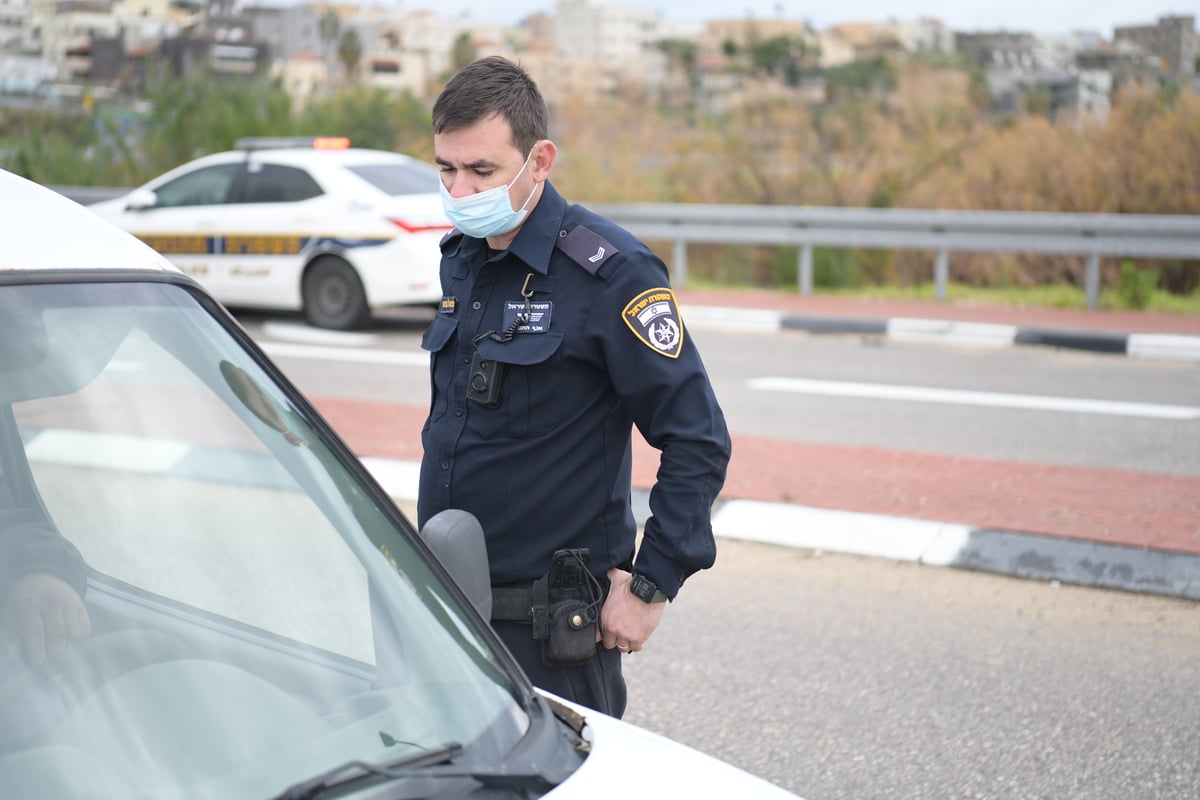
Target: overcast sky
column 1041, row 16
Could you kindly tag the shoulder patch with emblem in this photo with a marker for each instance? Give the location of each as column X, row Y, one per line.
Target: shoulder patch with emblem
column 586, row 248
column 653, row 316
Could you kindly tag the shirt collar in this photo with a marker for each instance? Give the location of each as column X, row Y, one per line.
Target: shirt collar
column 534, row 243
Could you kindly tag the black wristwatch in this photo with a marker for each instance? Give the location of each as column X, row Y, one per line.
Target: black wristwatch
column 644, row 589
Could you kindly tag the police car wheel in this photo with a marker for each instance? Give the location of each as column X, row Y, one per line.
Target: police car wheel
column 334, row 296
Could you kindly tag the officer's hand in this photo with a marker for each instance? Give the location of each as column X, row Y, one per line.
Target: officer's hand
column 42, row 615
column 625, row 621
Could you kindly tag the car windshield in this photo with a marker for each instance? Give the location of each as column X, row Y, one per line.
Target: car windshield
column 398, row 179
column 257, row 611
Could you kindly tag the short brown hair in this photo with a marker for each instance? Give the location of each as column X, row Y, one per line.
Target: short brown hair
column 490, row 86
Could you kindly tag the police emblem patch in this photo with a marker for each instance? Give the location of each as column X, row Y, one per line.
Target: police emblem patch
column 653, row 316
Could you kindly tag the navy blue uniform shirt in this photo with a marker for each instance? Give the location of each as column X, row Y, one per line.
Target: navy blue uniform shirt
column 602, row 348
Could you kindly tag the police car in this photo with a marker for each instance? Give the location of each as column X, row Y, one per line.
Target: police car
column 231, row 605
column 307, row 224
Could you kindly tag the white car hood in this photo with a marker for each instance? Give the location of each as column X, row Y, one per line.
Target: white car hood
column 637, row 764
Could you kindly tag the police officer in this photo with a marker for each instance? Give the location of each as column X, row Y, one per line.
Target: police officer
column 557, row 332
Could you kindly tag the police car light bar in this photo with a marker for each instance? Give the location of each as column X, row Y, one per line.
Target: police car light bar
column 276, row 142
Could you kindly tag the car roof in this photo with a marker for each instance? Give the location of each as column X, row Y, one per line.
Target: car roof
column 309, row 155
column 45, row 230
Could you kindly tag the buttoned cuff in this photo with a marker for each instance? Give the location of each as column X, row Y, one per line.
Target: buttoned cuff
column 667, row 575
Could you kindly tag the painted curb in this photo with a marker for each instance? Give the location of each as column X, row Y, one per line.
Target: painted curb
column 1014, row 553
column 971, row 334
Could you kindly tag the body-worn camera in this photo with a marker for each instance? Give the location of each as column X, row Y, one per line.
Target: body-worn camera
column 566, row 609
column 485, row 380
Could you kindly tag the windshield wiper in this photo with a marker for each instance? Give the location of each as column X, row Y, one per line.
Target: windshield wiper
column 427, row 764
column 316, row 786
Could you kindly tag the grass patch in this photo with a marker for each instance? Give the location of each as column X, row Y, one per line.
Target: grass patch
column 1035, row 297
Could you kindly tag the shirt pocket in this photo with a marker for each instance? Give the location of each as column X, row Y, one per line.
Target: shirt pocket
column 529, row 389
column 441, row 370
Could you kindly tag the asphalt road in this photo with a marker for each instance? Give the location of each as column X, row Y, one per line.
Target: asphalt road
column 1001, row 431
column 839, row 677
column 843, row 677
column 1004, row 431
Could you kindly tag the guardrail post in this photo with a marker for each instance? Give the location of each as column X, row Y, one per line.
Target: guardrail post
column 1091, row 280
column 679, row 263
column 805, row 269
column 941, row 273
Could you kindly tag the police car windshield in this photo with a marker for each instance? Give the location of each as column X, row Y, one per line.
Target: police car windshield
column 399, row 179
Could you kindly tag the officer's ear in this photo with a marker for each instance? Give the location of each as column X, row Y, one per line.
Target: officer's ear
column 544, row 153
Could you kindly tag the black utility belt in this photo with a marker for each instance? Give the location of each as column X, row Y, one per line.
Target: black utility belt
column 562, row 608
column 513, row 603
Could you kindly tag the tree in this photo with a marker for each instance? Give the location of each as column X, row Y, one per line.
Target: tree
column 349, row 53
column 875, row 76
column 54, row 147
column 195, row 115
column 463, row 52
column 783, row 57
column 683, row 56
column 374, row 119
column 328, row 27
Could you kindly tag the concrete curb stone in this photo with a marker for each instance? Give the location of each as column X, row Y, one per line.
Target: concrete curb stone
column 1136, row 345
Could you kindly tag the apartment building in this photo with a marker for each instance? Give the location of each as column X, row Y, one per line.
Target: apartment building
column 1171, row 39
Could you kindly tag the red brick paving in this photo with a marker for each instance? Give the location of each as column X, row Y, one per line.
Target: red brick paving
column 1115, row 506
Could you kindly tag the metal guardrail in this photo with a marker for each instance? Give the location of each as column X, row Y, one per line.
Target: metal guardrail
column 942, row 231
column 86, row 195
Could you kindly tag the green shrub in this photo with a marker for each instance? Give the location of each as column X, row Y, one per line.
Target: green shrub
column 835, row 268
column 1136, row 286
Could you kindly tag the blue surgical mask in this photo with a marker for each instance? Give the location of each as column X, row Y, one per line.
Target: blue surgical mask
column 487, row 213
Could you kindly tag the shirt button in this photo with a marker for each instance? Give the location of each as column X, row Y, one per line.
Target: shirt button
column 458, row 412
column 476, row 305
column 445, row 465
column 466, row 359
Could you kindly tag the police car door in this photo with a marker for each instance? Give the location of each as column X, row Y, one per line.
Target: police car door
column 270, row 226
column 183, row 221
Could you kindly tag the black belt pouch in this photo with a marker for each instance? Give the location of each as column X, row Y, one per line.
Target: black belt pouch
column 566, row 604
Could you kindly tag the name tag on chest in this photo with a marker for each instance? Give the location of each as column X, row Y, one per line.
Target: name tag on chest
column 539, row 315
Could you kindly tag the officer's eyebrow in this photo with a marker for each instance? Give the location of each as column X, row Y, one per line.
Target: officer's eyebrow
column 479, row 164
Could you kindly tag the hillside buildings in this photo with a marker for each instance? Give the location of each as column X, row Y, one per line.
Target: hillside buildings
column 61, row 50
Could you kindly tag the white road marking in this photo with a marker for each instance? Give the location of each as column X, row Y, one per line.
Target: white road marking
column 358, row 355
column 308, row 335
column 921, row 394
column 106, row 451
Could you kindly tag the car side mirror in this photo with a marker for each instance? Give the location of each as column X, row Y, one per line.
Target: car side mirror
column 456, row 538
column 141, row 199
